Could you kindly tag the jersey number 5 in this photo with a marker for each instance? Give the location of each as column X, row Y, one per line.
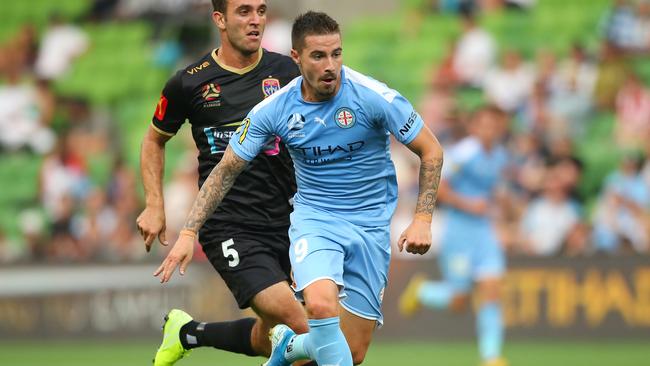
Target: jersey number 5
column 230, row 253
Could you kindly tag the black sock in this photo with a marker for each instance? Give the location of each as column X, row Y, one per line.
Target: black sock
column 234, row 336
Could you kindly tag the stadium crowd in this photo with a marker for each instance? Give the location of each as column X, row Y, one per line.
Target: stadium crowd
column 549, row 102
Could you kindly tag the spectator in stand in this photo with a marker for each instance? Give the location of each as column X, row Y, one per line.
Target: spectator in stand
column 620, row 23
column 549, row 219
column 61, row 44
column 25, row 112
column 632, row 113
column 612, row 72
column 621, row 215
column 94, row 226
column 475, row 52
column 534, row 115
column 439, row 110
column 642, row 27
column 125, row 241
column 509, row 85
column 570, row 101
column 62, row 174
column 179, row 194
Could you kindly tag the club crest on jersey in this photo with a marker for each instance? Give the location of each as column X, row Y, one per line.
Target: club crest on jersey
column 344, row 117
column 270, row 86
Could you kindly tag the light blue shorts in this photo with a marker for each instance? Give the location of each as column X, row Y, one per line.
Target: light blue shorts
column 470, row 253
column 355, row 257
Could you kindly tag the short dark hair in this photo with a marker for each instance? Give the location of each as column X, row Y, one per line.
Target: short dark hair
column 311, row 23
column 219, row 5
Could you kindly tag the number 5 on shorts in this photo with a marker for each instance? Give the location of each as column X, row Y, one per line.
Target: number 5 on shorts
column 230, row 253
column 301, row 249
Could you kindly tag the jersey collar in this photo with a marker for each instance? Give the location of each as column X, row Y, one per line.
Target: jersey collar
column 235, row 70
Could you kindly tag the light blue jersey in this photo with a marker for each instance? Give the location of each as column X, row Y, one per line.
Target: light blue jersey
column 347, row 189
column 340, row 147
column 470, row 248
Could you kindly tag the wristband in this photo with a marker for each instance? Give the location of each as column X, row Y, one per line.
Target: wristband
column 186, row 232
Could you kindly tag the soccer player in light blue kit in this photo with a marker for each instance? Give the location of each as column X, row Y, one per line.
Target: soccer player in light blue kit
column 470, row 251
column 336, row 124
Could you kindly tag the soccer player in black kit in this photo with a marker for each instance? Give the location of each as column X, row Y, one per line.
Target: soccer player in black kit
column 246, row 238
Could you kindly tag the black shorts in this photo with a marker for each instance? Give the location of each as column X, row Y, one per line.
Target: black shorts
column 249, row 259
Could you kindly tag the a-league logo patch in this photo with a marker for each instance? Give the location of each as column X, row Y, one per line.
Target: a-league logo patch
column 270, row 86
column 211, row 92
column 344, row 117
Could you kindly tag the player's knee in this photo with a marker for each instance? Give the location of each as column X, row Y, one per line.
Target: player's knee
column 297, row 322
column 321, row 308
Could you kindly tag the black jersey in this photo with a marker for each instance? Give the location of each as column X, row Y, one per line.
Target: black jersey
column 215, row 99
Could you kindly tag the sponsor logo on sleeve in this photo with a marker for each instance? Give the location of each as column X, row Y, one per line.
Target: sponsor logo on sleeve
column 409, row 124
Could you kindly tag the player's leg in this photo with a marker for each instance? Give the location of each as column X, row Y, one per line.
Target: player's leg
column 490, row 267
column 276, row 305
column 358, row 332
column 325, row 342
column 365, row 275
column 257, row 277
column 489, row 321
column 317, row 259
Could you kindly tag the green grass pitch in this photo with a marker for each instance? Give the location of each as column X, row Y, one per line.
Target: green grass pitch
column 140, row 352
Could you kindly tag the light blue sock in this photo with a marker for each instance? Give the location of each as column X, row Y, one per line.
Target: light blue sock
column 325, row 344
column 489, row 324
column 435, row 295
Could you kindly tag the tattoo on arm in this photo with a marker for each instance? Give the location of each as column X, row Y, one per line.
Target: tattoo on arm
column 429, row 182
column 214, row 189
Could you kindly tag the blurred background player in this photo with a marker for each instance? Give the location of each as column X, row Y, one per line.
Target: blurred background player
column 471, row 253
column 246, row 239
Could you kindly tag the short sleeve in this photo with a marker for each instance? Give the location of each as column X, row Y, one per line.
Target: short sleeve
column 253, row 134
column 399, row 117
column 172, row 109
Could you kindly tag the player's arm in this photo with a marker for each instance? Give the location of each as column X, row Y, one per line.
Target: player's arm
column 212, row 192
column 244, row 145
column 171, row 112
column 214, row 189
column 151, row 222
column 417, row 237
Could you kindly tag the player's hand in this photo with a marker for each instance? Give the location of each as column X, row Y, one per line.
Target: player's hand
column 151, row 224
column 416, row 238
column 181, row 253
